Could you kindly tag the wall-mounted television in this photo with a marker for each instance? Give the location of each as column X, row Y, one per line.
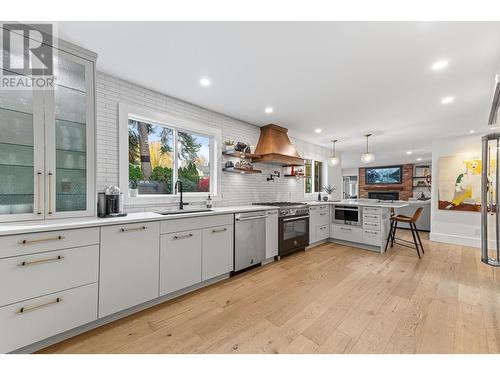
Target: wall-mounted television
column 384, row 175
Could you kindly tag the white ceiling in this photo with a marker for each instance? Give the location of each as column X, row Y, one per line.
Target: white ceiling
column 348, row 78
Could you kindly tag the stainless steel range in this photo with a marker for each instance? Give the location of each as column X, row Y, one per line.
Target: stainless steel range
column 293, row 222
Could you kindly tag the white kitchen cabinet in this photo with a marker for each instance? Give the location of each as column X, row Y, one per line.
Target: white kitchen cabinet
column 180, row 260
column 35, row 275
column 272, row 234
column 129, row 266
column 217, row 251
column 322, row 232
column 347, row 233
column 47, row 143
column 29, row 321
column 319, row 216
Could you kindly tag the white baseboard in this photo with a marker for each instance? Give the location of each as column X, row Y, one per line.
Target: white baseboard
column 455, row 240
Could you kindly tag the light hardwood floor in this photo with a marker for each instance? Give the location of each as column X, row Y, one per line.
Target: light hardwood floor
column 330, row 299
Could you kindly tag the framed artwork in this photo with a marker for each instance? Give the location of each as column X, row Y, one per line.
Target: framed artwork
column 459, row 183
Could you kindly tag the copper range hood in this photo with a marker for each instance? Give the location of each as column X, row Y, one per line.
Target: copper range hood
column 274, row 147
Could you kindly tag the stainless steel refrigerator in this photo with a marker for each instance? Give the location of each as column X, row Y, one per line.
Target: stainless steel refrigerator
column 490, row 220
column 490, row 189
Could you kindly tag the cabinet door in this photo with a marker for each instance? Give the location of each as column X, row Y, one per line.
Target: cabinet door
column 69, row 127
column 322, row 232
column 129, row 264
column 217, row 251
column 180, row 260
column 21, row 149
column 271, row 234
column 313, row 218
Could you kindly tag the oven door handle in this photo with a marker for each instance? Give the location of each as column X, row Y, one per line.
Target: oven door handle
column 296, row 218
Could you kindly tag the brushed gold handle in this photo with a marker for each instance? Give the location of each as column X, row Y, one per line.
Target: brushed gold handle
column 322, row 214
column 50, row 192
column 23, row 310
column 219, row 230
column 30, row 242
column 39, row 192
column 133, row 229
column 40, row 261
column 181, row 237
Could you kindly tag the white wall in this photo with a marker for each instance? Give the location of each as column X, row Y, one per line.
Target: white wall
column 237, row 189
column 456, row 227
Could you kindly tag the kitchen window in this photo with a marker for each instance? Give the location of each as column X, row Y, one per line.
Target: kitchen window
column 314, row 176
column 160, row 150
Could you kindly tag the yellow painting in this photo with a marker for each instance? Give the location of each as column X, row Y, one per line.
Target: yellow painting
column 459, row 185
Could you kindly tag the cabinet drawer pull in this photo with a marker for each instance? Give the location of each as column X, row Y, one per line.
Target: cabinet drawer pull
column 372, row 216
column 370, row 232
column 30, row 242
column 371, row 224
column 219, row 230
column 322, row 214
column 133, row 229
column 23, row 310
column 40, row 261
column 345, row 228
column 182, row 237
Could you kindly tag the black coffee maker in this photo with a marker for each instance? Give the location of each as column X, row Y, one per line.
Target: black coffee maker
column 110, row 203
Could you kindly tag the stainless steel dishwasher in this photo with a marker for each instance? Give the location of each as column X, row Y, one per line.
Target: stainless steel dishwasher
column 249, row 239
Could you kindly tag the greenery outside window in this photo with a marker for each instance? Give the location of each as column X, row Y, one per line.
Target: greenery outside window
column 313, row 180
column 164, row 150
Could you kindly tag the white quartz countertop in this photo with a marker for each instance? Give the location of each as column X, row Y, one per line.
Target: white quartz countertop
column 354, row 202
column 85, row 222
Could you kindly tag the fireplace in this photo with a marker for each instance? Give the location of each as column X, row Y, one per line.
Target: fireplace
column 384, row 195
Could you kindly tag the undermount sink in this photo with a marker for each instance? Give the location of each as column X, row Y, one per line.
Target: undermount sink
column 182, row 212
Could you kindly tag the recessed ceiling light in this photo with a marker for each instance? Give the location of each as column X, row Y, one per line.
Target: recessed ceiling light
column 447, row 100
column 440, row 64
column 205, row 82
column 409, row 152
column 318, row 130
column 419, row 159
column 472, row 131
column 269, row 110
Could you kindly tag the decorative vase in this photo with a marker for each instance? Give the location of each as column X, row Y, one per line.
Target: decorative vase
column 133, row 192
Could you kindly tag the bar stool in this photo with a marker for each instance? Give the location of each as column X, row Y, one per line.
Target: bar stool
column 411, row 221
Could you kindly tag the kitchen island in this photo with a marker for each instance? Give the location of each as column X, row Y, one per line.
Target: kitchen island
column 360, row 223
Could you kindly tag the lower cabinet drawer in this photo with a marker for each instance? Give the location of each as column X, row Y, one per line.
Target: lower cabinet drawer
column 322, row 232
column 371, row 237
column 347, row 233
column 33, row 320
column 322, row 218
column 371, row 218
column 372, row 225
column 180, row 260
column 30, row 276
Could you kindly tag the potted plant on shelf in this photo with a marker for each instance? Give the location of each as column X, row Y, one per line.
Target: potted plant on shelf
column 328, row 189
column 228, row 145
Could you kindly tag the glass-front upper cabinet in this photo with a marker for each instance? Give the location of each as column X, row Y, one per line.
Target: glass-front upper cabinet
column 47, row 141
column 70, row 131
column 21, row 148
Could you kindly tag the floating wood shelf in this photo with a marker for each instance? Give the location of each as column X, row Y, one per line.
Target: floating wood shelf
column 295, row 176
column 241, row 170
column 239, row 154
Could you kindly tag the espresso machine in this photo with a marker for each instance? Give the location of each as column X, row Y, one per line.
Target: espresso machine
column 110, row 202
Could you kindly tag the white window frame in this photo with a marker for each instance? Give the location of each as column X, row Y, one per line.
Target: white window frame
column 126, row 111
column 324, row 171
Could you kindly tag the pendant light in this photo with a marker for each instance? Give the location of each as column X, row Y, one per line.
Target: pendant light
column 367, row 157
column 334, row 160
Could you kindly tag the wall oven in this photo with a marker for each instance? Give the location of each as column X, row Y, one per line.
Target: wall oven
column 293, row 234
column 347, row 215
